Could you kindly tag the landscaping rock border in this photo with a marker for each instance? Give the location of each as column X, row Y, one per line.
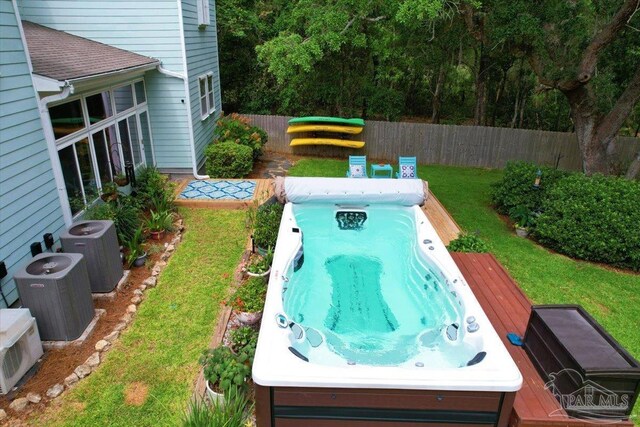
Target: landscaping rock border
column 21, row 404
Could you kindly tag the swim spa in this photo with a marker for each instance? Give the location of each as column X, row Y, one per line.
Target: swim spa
column 368, row 319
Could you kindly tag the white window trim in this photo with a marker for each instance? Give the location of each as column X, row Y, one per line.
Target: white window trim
column 211, row 106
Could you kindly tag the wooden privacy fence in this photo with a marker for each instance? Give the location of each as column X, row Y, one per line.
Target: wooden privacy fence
column 479, row 146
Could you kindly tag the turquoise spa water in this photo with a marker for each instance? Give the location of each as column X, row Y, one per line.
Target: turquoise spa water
column 367, row 292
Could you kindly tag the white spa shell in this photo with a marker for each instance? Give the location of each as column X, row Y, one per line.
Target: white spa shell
column 276, row 365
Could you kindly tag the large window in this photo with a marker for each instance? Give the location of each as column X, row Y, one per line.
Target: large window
column 207, row 105
column 97, row 135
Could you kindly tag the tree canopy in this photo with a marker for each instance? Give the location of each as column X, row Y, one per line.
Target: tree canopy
column 562, row 66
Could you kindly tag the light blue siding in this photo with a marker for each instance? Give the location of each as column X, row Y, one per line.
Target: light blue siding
column 29, row 203
column 202, row 57
column 146, row 27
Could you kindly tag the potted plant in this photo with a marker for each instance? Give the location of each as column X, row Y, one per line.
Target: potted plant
column 259, row 266
column 158, row 223
column 245, row 337
column 267, row 224
column 524, row 220
column 109, row 192
column 122, row 181
column 223, row 371
column 248, row 300
column 136, row 256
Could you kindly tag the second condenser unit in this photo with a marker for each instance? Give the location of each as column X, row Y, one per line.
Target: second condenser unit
column 98, row 242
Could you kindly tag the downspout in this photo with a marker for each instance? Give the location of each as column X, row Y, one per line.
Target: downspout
column 192, row 142
column 50, row 138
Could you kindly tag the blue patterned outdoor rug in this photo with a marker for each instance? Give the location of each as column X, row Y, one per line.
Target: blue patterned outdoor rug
column 218, row 190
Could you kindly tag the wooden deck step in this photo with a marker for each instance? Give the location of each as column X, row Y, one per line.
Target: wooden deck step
column 508, row 309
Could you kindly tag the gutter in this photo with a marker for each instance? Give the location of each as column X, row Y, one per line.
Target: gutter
column 192, row 140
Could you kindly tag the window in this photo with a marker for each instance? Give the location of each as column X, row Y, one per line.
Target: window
column 207, row 104
column 66, row 118
column 96, row 135
column 79, row 177
column 203, row 13
column 140, row 95
column 99, row 107
column 124, row 98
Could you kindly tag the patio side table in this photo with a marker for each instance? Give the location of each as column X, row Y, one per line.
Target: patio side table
column 386, row 170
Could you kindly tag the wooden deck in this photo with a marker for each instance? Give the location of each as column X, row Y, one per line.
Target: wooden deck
column 263, row 191
column 445, row 225
column 508, row 310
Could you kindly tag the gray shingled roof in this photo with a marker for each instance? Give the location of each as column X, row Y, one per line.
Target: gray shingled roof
column 63, row 56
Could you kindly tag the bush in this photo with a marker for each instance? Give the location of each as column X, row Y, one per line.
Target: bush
column 225, row 370
column 250, row 296
column 468, row 243
column 237, row 129
column 230, row 412
column 124, row 212
column 593, row 218
column 267, row 224
column 228, row 160
column 515, row 189
column 154, row 190
column 244, row 337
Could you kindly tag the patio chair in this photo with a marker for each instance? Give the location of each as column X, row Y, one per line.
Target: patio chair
column 357, row 167
column 407, row 168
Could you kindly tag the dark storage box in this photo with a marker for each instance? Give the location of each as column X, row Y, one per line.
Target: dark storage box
column 584, row 367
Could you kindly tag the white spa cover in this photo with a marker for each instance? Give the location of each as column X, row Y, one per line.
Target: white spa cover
column 405, row 192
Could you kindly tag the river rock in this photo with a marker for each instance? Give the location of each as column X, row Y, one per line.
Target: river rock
column 19, row 404
column 71, row 380
column 101, row 345
column 55, row 391
column 82, row 371
column 93, row 360
column 34, row 397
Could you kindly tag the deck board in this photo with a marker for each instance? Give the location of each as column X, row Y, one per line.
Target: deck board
column 445, row 225
column 508, row 309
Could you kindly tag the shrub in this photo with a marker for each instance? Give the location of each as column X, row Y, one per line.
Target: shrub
column 244, row 337
column 237, row 129
column 250, row 296
column 515, row 189
column 467, row 242
column 154, row 190
column 593, row 218
column 224, row 370
column 267, row 224
column 228, row 160
column 124, row 212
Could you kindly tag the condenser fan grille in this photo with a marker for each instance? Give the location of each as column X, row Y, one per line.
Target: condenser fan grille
column 12, row 360
column 48, row 265
column 86, row 229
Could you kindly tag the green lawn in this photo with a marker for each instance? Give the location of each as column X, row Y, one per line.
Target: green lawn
column 173, row 325
column 612, row 297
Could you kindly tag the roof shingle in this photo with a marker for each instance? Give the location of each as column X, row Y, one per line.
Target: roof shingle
column 63, row 56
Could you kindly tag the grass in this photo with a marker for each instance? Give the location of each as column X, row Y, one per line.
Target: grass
column 612, row 297
column 173, row 325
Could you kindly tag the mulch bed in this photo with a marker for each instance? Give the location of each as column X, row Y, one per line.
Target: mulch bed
column 57, row 364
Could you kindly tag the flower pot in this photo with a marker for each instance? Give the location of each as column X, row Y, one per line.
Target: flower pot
column 157, row 235
column 139, row 262
column 266, row 273
column 522, row 232
column 247, row 318
column 214, row 396
column 108, row 197
column 125, row 189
